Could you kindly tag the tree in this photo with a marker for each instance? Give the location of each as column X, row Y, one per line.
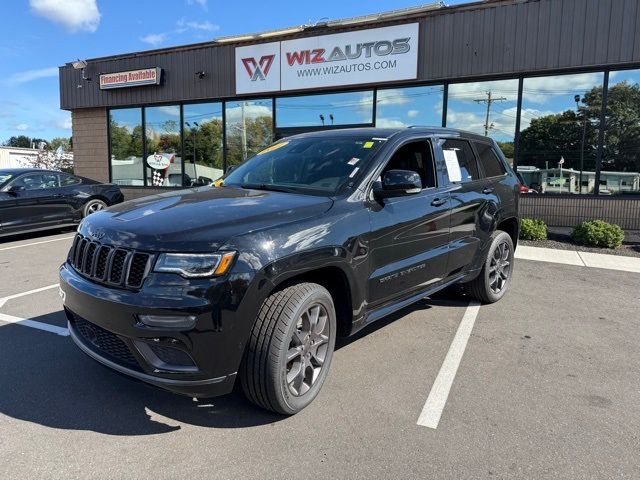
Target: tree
column 551, row 137
column 48, row 160
column 560, row 135
column 622, row 141
column 507, row 148
column 21, row 141
column 258, row 134
column 65, row 143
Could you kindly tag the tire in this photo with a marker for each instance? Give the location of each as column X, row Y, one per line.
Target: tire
column 494, row 279
column 284, row 326
column 92, row 206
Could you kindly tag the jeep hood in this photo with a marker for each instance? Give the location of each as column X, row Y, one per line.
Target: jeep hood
column 197, row 220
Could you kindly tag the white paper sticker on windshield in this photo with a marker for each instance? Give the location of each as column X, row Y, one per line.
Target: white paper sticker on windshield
column 353, row 161
column 453, row 166
column 355, row 170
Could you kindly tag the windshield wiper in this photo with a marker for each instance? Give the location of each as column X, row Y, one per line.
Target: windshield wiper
column 266, row 186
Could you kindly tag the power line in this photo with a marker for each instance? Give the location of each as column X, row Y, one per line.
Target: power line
column 489, row 101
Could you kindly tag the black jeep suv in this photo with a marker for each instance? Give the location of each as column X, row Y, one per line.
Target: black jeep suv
column 316, row 236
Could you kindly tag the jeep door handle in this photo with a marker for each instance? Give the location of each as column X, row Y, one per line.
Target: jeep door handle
column 438, row 202
column 487, row 190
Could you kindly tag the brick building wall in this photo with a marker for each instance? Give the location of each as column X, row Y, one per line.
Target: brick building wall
column 90, row 143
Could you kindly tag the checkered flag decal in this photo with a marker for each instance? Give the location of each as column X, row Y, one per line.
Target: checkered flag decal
column 158, row 177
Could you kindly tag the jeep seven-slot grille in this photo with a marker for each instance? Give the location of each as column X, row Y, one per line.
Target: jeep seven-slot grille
column 110, row 265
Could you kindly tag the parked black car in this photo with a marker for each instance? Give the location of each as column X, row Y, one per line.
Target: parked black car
column 317, row 236
column 33, row 199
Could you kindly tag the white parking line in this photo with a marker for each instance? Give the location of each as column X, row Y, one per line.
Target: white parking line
column 35, row 243
column 432, row 410
column 18, row 295
column 27, row 322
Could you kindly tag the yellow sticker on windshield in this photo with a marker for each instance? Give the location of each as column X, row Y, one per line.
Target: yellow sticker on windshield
column 219, row 182
column 367, row 145
column 273, row 147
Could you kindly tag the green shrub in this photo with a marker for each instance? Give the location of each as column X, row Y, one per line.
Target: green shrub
column 597, row 233
column 531, row 229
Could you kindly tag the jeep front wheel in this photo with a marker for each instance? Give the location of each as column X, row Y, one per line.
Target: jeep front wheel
column 290, row 348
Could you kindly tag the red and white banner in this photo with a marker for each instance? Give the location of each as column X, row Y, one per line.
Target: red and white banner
column 131, row 78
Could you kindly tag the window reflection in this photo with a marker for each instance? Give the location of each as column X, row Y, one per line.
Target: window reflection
column 349, row 108
column 125, row 141
column 559, row 132
column 621, row 157
column 202, row 130
column 486, row 108
column 249, row 128
column 401, row 107
column 164, row 155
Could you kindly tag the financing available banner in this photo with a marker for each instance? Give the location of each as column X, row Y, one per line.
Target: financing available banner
column 364, row 56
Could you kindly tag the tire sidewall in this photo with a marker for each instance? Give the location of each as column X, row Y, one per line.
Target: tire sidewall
column 291, row 402
column 498, row 238
column 85, row 212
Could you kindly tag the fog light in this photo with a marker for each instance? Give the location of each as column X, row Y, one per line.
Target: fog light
column 173, row 322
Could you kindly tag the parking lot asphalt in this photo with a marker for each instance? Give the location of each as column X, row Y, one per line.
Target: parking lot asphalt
column 547, row 387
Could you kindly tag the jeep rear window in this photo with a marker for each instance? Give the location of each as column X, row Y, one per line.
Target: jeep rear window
column 310, row 165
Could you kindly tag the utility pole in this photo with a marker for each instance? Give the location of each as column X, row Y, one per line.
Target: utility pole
column 243, row 133
column 489, row 101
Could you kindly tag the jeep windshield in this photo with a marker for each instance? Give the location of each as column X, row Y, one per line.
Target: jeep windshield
column 321, row 165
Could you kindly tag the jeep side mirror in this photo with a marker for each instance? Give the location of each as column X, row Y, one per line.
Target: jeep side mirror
column 398, row 183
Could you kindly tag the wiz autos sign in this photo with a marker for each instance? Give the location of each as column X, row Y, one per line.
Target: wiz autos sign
column 366, row 56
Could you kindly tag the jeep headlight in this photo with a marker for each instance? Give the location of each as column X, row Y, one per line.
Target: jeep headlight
column 195, row 265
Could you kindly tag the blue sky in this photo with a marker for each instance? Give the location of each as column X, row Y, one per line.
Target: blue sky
column 40, row 35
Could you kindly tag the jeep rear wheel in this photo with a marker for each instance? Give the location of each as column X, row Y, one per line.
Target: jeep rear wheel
column 290, row 348
column 494, row 279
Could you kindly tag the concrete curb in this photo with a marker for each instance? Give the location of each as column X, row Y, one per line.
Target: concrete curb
column 582, row 259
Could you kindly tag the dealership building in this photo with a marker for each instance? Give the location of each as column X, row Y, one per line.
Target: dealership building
column 555, row 82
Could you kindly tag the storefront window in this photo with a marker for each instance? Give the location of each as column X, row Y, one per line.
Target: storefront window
column 202, row 130
column 349, row 108
column 486, row 108
column 559, row 132
column 401, row 107
column 249, row 128
column 164, row 153
column 621, row 156
column 125, row 143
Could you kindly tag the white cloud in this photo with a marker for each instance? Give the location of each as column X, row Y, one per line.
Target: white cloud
column 527, row 115
column 64, row 123
column 154, row 39
column 234, row 114
column 469, row 92
column 392, row 96
column 30, row 75
column 202, row 3
column 21, row 127
column 390, row 123
column 205, row 26
column 74, row 15
column 503, row 122
column 413, row 113
column 172, row 110
column 544, row 89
